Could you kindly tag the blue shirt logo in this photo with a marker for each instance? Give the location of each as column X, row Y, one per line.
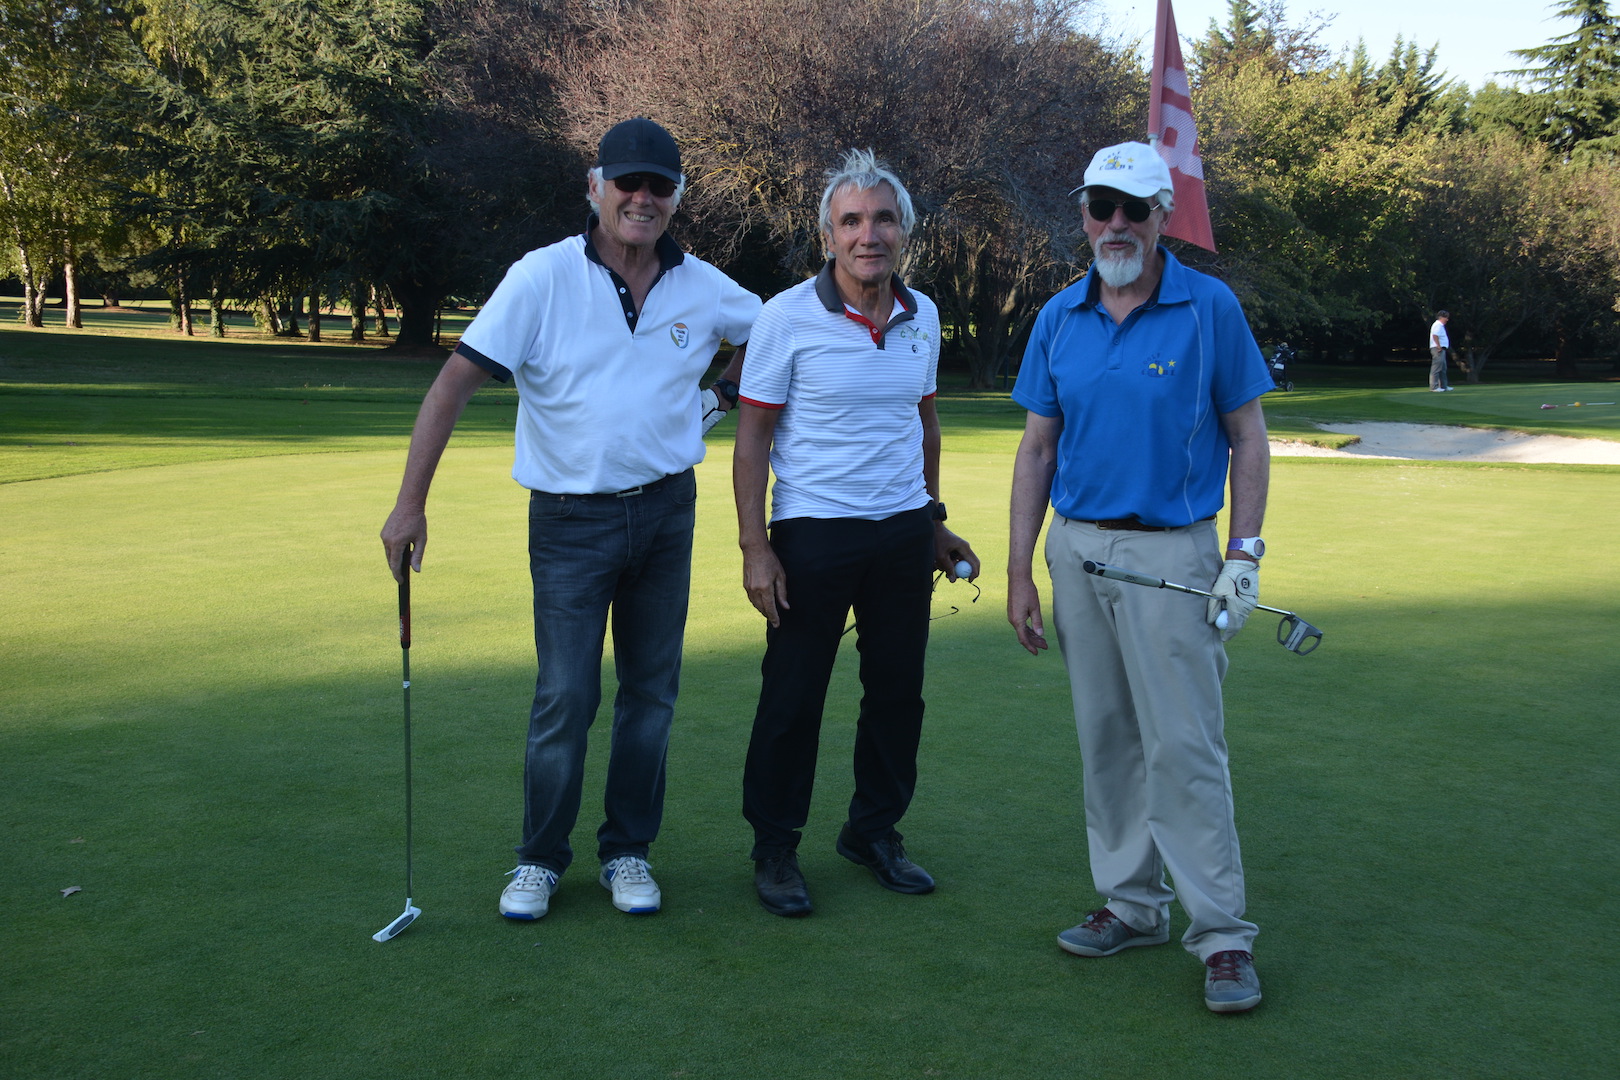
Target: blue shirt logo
column 1159, row 369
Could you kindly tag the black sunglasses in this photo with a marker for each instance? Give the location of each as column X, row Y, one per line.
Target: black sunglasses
column 1136, row 210
column 662, row 187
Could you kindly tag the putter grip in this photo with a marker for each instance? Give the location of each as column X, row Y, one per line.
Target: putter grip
column 1104, row 570
column 405, row 599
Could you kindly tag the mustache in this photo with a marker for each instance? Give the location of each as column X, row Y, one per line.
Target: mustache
column 1137, row 247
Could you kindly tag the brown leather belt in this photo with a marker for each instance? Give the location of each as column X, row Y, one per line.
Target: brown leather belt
column 1131, row 524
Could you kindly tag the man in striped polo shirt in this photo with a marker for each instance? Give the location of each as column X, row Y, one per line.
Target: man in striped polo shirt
column 837, row 401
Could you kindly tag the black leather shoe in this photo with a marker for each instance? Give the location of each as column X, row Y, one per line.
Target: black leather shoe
column 780, row 884
column 886, row 859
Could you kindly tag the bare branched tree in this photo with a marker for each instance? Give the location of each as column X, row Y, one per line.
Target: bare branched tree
column 988, row 109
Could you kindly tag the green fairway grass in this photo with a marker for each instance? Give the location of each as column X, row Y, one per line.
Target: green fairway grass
column 201, row 729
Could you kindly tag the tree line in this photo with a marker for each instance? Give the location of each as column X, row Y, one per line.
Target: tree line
column 401, row 153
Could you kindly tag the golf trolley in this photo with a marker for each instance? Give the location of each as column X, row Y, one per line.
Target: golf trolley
column 1281, row 357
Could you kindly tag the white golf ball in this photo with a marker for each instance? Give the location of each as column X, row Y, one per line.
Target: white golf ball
column 964, row 569
column 1221, row 621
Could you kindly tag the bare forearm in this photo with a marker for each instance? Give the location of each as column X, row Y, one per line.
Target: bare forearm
column 1251, row 469
column 750, row 475
column 435, row 422
column 733, row 372
column 930, row 448
column 1031, row 493
column 406, row 527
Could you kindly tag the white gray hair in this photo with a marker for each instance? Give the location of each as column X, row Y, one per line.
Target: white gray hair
column 862, row 171
column 594, row 182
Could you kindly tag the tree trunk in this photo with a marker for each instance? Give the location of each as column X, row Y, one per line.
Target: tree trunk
column 1564, row 364
column 216, row 315
column 314, row 313
column 357, row 312
column 267, row 318
column 73, row 314
column 182, row 305
column 33, row 297
column 109, row 299
column 418, row 305
column 382, row 311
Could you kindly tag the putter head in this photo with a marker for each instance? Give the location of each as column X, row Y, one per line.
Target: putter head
column 393, row 929
column 1298, row 636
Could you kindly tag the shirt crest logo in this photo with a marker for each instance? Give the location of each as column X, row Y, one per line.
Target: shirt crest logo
column 679, row 335
column 1159, row 369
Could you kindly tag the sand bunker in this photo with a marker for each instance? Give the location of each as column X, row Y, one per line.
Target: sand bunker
column 1440, row 442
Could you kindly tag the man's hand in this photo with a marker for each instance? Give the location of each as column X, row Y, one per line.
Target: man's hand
column 1024, row 612
column 405, row 528
column 1237, row 591
column 950, row 549
column 766, row 582
column 715, row 408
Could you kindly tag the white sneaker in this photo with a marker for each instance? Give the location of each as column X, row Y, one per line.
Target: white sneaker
column 529, row 894
column 634, row 889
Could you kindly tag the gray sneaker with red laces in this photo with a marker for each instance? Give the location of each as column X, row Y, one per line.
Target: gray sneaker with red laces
column 1230, row 983
column 1104, row 934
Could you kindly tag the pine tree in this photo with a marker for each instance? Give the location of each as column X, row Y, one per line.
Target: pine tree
column 1578, row 74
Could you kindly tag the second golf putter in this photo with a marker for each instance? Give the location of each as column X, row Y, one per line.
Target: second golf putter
column 1293, row 633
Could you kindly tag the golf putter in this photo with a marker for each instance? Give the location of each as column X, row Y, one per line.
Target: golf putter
column 393, row 929
column 1293, row 633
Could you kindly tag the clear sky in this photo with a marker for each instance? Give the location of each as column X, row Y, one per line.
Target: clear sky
column 1476, row 37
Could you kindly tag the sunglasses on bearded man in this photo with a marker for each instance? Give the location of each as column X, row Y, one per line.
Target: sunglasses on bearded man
column 1137, row 210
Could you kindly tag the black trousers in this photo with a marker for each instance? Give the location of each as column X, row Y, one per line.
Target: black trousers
column 883, row 571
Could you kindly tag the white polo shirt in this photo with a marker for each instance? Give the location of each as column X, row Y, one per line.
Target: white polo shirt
column 608, row 398
column 1438, row 335
column 848, row 441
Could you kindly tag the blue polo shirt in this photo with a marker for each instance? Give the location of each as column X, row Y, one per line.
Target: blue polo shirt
column 1141, row 401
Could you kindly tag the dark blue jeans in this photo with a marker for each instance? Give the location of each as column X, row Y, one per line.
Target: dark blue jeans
column 589, row 556
column 883, row 570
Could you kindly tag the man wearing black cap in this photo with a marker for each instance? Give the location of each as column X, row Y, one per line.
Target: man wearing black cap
column 606, row 335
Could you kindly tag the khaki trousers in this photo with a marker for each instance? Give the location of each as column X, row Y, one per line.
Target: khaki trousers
column 1145, row 672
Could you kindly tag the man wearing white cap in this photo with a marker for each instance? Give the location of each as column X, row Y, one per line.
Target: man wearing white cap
column 1142, row 383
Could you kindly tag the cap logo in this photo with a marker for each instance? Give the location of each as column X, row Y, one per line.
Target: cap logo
column 1115, row 162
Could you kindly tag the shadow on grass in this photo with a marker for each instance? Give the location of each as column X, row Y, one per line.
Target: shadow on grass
column 1403, row 801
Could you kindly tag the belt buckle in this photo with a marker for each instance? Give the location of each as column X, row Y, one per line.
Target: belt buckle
column 627, row 492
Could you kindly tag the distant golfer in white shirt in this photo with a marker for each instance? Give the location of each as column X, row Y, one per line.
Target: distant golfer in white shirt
column 1439, row 345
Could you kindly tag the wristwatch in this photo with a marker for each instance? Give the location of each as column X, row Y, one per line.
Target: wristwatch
column 1252, row 546
column 726, row 389
column 937, row 510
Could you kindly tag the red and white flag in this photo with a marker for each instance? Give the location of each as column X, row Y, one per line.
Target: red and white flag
column 1170, row 121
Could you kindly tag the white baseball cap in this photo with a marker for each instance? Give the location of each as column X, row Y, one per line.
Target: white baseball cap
column 1134, row 168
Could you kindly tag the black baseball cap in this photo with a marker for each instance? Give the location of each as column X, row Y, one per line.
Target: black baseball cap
column 639, row 146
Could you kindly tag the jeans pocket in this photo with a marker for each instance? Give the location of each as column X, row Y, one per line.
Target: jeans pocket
column 545, row 506
column 683, row 488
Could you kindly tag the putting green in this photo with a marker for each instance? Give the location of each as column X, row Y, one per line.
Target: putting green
column 201, row 730
column 1522, row 402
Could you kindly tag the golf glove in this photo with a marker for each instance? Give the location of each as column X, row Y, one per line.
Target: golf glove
column 1237, row 591
column 712, row 412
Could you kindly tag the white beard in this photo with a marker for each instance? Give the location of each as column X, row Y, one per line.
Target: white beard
column 1119, row 271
